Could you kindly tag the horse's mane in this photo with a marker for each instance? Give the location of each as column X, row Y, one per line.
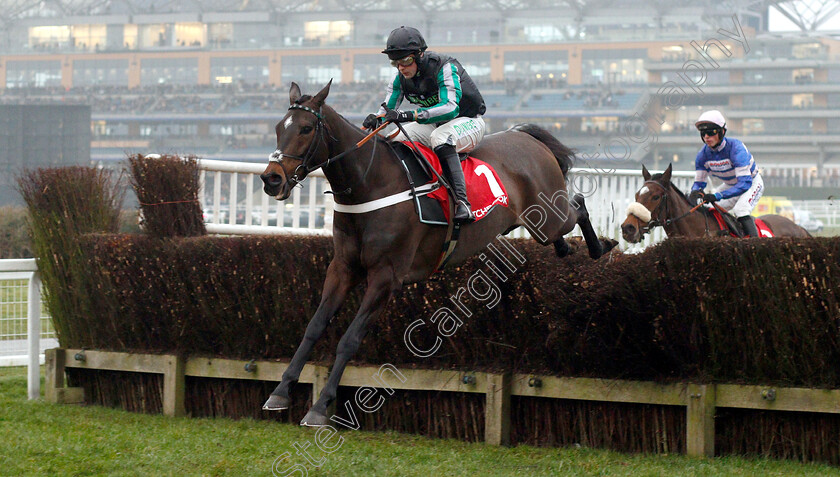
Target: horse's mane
column 658, row 176
column 680, row 193
column 307, row 97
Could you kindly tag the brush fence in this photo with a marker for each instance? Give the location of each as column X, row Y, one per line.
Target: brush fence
column 700, row 400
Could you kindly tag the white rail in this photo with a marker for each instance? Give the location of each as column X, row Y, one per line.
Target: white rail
column 24, row 269
column 826, row 210
column 309, row 210
column 234, row 203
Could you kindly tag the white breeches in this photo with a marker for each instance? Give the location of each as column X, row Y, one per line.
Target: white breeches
column 463, row 133
column 743, row 205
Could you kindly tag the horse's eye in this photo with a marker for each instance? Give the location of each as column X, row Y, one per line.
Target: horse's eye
column 656, row 197
column 306, row 130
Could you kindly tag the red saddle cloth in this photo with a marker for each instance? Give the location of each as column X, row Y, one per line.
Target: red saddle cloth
column 484, row 188
column 763, row 229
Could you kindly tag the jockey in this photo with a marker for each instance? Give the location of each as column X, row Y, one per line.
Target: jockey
column 448, row 118
column 729, row 160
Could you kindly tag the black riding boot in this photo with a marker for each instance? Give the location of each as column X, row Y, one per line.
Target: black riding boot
column 449, row 160
column 748, row 224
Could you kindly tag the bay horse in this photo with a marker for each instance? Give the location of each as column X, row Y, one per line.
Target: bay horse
column 659, row 202
column 388, row 247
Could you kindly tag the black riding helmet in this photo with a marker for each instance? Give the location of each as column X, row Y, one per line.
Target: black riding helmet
column 404, row 41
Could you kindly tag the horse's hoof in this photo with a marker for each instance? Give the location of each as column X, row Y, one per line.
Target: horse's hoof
column 276, row 403
column 609, row 244
column 315, row 419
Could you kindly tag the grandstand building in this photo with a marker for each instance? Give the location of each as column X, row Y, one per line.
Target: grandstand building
column 621, row 81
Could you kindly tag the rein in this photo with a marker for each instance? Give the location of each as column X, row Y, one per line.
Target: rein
column 693, row 209
column 656, row 222
column 302, row 170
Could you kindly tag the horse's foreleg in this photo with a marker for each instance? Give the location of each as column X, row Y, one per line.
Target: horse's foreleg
column 593, row 243
column 340, row 280
column 379, row 291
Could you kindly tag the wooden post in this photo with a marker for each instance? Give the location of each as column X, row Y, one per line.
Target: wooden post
column 173, row 386
column 700, row 420
column 322, row 373
column 497, row 410
column 55, row 391
column 54, row 369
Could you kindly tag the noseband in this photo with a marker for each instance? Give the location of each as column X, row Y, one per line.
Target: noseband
column 655, row 222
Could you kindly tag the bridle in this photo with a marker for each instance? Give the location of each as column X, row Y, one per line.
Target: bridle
column 663, row 204
column 302, row 170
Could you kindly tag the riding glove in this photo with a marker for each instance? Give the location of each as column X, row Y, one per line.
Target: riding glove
column 371, row 121
column 695, row 196
column 397, row 116
column 709, row 198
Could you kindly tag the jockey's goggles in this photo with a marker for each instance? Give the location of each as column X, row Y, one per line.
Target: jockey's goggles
column 407, row 61
column 709, row 132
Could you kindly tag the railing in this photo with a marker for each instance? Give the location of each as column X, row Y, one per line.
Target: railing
column 22, row 336
column 309, row 210
column 801, row 176
column 828, row 211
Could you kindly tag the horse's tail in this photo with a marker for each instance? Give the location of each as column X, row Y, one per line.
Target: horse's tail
column 563, row 154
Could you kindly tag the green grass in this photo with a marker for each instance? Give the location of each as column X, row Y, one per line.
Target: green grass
column 44, row 439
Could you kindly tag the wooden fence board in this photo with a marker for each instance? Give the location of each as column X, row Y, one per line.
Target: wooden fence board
column 783, row 399
column 115, row 361
column 700, row 400
column 235, row 369
column 593, row 389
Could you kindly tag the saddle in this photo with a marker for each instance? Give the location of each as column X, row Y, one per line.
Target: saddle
column 729, row 225
column 484, row 188
column 419, row 173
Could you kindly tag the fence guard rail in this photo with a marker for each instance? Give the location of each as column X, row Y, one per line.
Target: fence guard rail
column 700, row 400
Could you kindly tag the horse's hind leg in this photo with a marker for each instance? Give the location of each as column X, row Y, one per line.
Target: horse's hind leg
column 593, row 243
column 338, row 283
column 379, row 290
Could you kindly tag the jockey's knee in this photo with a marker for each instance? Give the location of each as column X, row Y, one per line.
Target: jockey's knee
column 440, row 139
column 399, row 137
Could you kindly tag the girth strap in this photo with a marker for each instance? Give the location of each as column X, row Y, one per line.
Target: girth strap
column 386, row 201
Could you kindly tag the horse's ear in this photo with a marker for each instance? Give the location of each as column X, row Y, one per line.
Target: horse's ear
column 666, row 176
column 645, row 173
column 294, row 93
column 322, row 95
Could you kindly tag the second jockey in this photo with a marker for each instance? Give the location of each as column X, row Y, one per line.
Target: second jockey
column 729, row 160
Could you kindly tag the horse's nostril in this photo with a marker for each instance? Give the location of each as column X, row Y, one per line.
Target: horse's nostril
column 271, row 179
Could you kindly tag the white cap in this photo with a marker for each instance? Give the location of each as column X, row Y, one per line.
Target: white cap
column 713, row 116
